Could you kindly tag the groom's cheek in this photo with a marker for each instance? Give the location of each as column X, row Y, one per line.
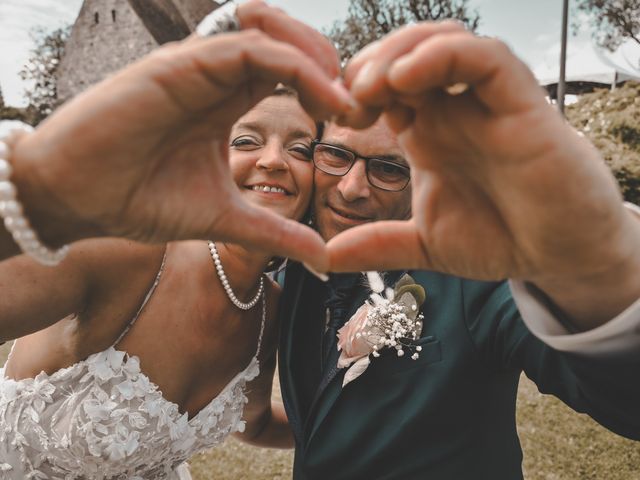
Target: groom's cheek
column 325, row 227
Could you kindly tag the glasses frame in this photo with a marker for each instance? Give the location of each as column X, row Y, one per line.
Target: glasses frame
column 357, row 157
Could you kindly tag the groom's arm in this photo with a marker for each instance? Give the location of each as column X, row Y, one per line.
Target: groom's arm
column 604, row 387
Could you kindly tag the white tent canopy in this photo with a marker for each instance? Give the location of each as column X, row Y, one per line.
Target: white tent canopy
column 593, row 65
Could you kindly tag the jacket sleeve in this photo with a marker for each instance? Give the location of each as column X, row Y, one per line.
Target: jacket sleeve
column 605, row 388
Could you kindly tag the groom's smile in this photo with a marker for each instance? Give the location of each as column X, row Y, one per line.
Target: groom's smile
column 342, row 202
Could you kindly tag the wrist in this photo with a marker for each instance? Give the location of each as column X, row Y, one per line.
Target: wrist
column 590, row 300
column 35, row 179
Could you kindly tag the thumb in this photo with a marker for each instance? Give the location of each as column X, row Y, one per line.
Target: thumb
column 390, row 245
column 258, row 228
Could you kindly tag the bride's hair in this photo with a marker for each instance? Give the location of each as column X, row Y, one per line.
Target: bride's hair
column 283, row 90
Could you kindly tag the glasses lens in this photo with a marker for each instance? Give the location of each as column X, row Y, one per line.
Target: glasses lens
column 332, row 160
column 388, row 175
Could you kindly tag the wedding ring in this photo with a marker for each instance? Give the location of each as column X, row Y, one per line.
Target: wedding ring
column 456, row 88
column 223, row 19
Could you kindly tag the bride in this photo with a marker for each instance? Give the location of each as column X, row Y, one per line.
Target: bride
column 162, row 351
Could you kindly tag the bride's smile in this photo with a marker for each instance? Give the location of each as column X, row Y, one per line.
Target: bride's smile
column 270, row 155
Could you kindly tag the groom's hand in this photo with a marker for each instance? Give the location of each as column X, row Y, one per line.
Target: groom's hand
column 143, row 155
column 502, row 185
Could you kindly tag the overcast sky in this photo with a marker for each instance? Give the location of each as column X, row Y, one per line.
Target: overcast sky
column 532, row 29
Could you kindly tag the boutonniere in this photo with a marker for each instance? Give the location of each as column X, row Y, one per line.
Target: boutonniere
column 390, row 318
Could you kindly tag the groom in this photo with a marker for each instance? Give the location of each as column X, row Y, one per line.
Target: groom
column 486, row 204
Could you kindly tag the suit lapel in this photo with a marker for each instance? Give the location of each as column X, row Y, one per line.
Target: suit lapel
column 289, row 306
column 331, row 384
column 330, row 387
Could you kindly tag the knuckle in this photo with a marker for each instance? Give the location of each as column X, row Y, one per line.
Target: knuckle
column 253, row 35
column 165, row 52
column 498, row 46
column 453, row 24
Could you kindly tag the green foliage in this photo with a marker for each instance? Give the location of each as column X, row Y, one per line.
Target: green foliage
column 369, row 20
column 627, row 134
column 614, row 20
column 40, row 70
column 611, row 120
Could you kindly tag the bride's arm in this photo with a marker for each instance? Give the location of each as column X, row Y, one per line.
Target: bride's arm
column 266, row 420
column 34, row 296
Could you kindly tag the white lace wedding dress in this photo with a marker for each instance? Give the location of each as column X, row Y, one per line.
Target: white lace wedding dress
column 102, row 418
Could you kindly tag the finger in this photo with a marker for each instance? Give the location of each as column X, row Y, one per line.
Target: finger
column 260, row 229
column 200, row 75
column 499, row 79
column 359, row 117
column 280, row 26
column 366, row 73
column 399, row 117
column 390, row 245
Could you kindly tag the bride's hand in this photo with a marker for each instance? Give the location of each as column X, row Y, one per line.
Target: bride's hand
column 143, row 155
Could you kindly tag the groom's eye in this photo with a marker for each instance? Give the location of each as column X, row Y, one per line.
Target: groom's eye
column 338, row 155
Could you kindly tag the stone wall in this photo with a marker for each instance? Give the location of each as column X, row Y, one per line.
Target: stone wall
column 194, row 10
column 107, row 36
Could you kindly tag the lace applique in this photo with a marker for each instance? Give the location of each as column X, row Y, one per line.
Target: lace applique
column 102, row 418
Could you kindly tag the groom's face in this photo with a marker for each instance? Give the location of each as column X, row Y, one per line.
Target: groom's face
column 343, row 202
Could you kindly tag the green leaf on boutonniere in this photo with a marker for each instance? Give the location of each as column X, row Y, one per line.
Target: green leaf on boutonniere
column 416, row 291
column 406, row 279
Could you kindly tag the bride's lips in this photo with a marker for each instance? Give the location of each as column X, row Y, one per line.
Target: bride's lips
column 348, row 217
column 268, row 188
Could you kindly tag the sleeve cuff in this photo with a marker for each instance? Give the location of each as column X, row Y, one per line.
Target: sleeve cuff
column 619, row 336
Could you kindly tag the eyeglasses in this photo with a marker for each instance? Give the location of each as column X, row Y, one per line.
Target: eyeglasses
column 382, row 174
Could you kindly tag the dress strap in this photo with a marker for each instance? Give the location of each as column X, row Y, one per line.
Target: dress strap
column 144, row 303
column 264, row 320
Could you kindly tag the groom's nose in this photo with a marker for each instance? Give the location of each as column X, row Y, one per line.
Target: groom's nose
column 355, row 185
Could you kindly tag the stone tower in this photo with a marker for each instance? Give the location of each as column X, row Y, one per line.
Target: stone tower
column 110, row 34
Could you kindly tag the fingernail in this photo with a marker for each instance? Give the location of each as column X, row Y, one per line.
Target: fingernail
column 344, row 94
column 457, row 88
column 365, row 77
column 322, row 276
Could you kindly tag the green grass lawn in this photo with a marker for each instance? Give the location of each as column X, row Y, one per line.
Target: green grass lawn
column 558, row 444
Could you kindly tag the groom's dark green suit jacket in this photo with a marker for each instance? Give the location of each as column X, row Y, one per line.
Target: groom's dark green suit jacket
column 450, row 415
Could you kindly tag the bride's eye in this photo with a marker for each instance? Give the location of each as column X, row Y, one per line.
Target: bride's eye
column 245, row 143
column 301, row 151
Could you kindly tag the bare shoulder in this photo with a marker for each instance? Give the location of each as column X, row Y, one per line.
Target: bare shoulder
column 107, row 259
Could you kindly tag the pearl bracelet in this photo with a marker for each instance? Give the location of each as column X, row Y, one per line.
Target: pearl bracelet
column 12, row 213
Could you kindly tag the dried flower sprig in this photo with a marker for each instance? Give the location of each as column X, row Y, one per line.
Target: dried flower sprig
column 391, row 318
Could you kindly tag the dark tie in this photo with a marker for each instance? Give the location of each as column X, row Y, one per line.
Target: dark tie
column 338, row 302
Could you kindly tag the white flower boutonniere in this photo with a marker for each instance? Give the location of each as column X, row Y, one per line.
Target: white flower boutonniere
column 389, row 318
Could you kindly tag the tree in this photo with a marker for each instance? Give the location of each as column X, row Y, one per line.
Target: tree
column 2, row 104
column 368, row 20
column 40, row 70
column 615, row 21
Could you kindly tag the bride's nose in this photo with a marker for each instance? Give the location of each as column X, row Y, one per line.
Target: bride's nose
column 273, row 157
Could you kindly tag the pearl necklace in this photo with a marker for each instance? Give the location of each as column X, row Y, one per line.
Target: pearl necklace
column 225, row 282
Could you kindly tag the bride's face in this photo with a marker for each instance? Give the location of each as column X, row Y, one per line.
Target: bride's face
column 270, row 155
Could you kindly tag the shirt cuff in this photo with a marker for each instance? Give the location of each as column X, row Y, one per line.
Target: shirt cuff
column 618, row 336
